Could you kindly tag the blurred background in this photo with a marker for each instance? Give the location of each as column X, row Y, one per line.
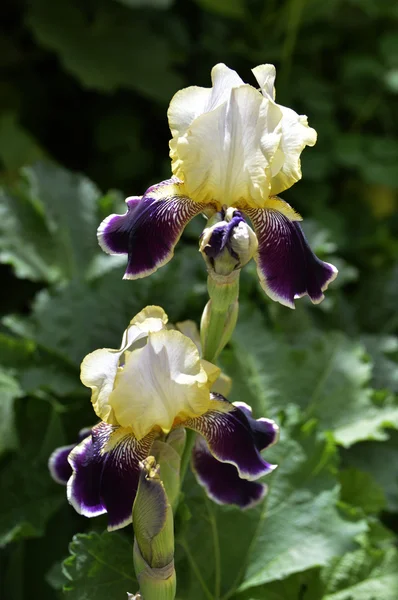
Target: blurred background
column 84, row 90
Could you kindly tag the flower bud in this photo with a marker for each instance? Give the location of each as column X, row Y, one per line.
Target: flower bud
column 154, row 536
column 227, row 243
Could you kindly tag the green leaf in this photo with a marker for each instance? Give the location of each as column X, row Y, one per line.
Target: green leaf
column 360, row 490
column 100, row 567
column 380, row 460
column 9, row 391
column 73, row 320
column 296, row 528
column 325, row 374
column 29, row 496
column 109, row 50
column 48, row 224
column 363, row 575
column 17, row 147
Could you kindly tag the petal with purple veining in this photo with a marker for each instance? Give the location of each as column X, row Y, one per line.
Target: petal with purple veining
column 230, row 438
column 105, row 473
column 150, row 229
column 286, row 265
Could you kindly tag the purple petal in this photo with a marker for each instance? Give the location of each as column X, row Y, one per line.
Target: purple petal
column 150, row 229
column 221, row 235
column 265, row 431
column 106, row 472
column 230, row 438
column 60, row 469
column 221, row 480
column 286, row 265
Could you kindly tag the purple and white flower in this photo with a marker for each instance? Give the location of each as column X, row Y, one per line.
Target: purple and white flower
column 155, row 383
column 232, row 146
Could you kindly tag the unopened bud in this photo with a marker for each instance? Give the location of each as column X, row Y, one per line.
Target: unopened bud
column 227, row 243
column 154, row 536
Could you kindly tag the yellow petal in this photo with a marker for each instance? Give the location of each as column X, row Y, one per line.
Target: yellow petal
column 164, row 381
column 99, row 368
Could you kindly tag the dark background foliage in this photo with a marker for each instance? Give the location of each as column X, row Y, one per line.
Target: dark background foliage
column 84, row 89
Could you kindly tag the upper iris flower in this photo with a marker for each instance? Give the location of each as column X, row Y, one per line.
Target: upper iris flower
column 232, row 146
column 153, row 384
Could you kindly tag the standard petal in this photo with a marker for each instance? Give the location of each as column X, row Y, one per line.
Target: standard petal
column 99, row 368
column 226, row 155
column 265, row 75
column 105, row 473
column 58, row 464
column 161, row 382
column 221, row 480
column 150, row 229
column 286, row 265
column 230, row 438
column 296, row 135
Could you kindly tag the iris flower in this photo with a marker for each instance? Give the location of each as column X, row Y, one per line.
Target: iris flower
column 155, row 383
column 232, row 146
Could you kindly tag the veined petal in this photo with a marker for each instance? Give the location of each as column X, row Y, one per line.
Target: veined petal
column 161, row 382
column 226, row 154
column 105, row 473
column 265, row 75
column 58, row 464
column 230, row 438
column 221, row 480
column 99, row 368
column 150, row 229
column 286, row 266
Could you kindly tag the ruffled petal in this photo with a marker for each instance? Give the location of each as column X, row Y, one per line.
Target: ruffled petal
column 286, row 265
column 99, row 368
column 163, row 381
column 58, row 464
column 221, row 480
column 106, row 472
column 150, row 229
column 230, row 438
column 226, row 154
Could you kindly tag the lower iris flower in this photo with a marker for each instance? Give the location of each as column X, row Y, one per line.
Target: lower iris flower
column 155, row 383
column 234, row 147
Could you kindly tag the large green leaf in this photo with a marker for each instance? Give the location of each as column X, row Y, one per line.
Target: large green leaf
column 48, row 224
column 73, row 320
column 297, row 527
column 100, row 567
column 363, row 575
column 29, row 496
column 325, row 374
column 114, row 48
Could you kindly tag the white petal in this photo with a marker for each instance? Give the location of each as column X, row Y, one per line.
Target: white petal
column 265, row 75
column 226, row 155
column 163, row 381
column 296, row 135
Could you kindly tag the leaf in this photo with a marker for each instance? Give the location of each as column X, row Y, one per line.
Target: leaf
column 17, row 147
column 48, row 224
column 363, row 575
column 29, row 497
column 360, row 490
column 325, row 374
column 100, row 567
column 296, row 528
column 9, row 391
column 75, row 319
column 380, row 460
column 107, row 50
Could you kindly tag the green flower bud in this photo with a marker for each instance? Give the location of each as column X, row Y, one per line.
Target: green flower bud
column 154, row 536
